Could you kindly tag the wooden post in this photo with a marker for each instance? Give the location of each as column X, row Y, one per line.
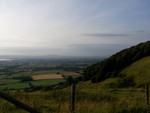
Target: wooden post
column 147, row 94
column 18, row 103
column 73, row 88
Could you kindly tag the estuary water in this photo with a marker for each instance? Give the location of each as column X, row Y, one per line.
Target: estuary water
column 5, row 59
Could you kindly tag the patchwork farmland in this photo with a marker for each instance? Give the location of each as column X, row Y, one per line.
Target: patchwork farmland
column 26, row 73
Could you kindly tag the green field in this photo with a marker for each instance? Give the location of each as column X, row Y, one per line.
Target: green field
column 8, row 81
column 48, row 72
column 23, row 85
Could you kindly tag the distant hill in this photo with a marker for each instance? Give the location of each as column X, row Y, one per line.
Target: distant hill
column 119, row 64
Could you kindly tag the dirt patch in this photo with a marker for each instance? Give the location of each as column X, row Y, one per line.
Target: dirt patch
column 54, row 76
column 46, row 76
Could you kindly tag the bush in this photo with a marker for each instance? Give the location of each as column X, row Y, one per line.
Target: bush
column 24, row 78
column 126, row 81
column 69, row 80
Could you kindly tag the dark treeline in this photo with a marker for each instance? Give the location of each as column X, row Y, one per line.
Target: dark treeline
column 111, row 66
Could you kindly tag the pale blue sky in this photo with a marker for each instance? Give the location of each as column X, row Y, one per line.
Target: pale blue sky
column 72, row 27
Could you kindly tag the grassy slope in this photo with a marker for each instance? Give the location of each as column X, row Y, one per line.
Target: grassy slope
column 140, row 70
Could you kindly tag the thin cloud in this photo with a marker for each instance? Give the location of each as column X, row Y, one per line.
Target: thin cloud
column 139, row 35
column 107, row 35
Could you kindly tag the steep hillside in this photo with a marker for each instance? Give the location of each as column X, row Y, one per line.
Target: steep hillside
column 135, row 75
column 112, row 66
column 139, row 70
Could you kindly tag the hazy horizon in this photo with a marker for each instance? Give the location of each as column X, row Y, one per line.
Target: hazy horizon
column 72, row 27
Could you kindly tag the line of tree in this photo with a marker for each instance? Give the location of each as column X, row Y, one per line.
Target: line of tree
column 111, row 66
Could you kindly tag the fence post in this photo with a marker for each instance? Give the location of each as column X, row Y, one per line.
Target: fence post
column 147, row 94
column 73, row 88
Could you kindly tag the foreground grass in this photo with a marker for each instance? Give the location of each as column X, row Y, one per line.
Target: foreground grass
column 89, row 99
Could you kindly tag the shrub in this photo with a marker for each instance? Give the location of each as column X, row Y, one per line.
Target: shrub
column 126, row 81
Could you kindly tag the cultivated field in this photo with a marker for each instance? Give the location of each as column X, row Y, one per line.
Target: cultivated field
column 54, row 76
column 47, row 76
column 26, row 73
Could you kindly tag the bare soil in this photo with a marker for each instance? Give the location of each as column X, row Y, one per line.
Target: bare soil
column 46, row 76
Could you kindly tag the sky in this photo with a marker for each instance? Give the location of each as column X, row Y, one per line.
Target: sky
column 72, row 27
